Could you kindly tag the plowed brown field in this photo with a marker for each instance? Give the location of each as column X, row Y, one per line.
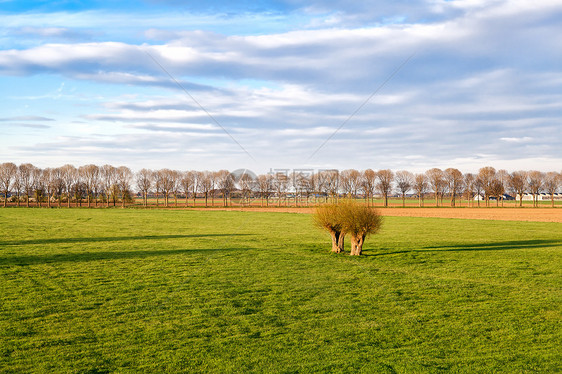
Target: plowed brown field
column 501, row 214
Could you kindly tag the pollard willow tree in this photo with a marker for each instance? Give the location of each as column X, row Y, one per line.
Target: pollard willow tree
column 359, row 221
column 328, row 217
column 348, row 217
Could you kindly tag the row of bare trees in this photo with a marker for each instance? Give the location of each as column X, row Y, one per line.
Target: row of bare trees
column 92, row 184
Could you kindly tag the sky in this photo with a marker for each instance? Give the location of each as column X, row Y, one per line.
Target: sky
column 282, row 84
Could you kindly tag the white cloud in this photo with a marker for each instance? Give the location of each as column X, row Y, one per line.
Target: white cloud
column 26, row 118
column 524, row 139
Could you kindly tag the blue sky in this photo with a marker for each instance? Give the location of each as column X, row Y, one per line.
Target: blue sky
column 89, row 82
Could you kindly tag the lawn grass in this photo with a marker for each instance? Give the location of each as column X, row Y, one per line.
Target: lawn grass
column 118, row 290
column 394, row 202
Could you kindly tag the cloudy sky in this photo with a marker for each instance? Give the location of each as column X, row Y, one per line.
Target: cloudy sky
column 276, row 84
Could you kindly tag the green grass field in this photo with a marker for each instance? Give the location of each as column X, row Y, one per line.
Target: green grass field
column 94, row 291
column 393, row 202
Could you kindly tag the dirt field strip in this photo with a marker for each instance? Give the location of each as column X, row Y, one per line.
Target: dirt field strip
column 500, row 214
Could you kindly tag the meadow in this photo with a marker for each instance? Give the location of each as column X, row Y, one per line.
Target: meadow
column 132, row 290
column 393, row 202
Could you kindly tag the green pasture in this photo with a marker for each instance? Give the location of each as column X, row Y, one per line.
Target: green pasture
column 302, row 202
column 130, row 290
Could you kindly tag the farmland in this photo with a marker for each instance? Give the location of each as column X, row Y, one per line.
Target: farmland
column 132, row 290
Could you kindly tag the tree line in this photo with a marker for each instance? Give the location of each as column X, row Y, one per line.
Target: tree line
column 109, row 185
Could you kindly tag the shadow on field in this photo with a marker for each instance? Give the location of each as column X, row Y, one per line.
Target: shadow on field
column 494, row 246
column 107, row 239
column 107, row 255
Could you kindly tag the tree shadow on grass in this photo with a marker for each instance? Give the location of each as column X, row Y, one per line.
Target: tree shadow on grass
column 108, row 255
column 492, row 246
column 107, row 239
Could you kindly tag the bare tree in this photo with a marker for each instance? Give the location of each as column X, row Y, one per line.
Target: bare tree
column 50, row 184
column 187, row 180
column 166, row 183
column 124, row 176
column 345, row 184
column 265, row 186
column 157, row 180
column 176, row 185
column 38, row 185
column 384, row 185
column 58, row 181
column 206, row 184
column 502, row 177
column 26, row 174
column 68, row 174
column 309, row 187
column 197, row 180
column 108, row 175
column 518, row 184
column 535, row 181
column 318, row 186
column 332, row 183
column 302, row 185
column 78, row 189
column 246, row 184
column 225, row 183
column 454, row 180
column 552, row 182
column 487, row 176
column 8, row 171
column 295, row 183
column 18, row 187
column 167, row 180
column 90, row 175
column 369, row 185
column 478, row 186
column 350, row 182
column 404, row 181
column 436, row 180
column 212, row 176
column 469, row 180
column 280, row 185
column 421, row 186
column 144, row 180
column 96, row 187
column 497, row 190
